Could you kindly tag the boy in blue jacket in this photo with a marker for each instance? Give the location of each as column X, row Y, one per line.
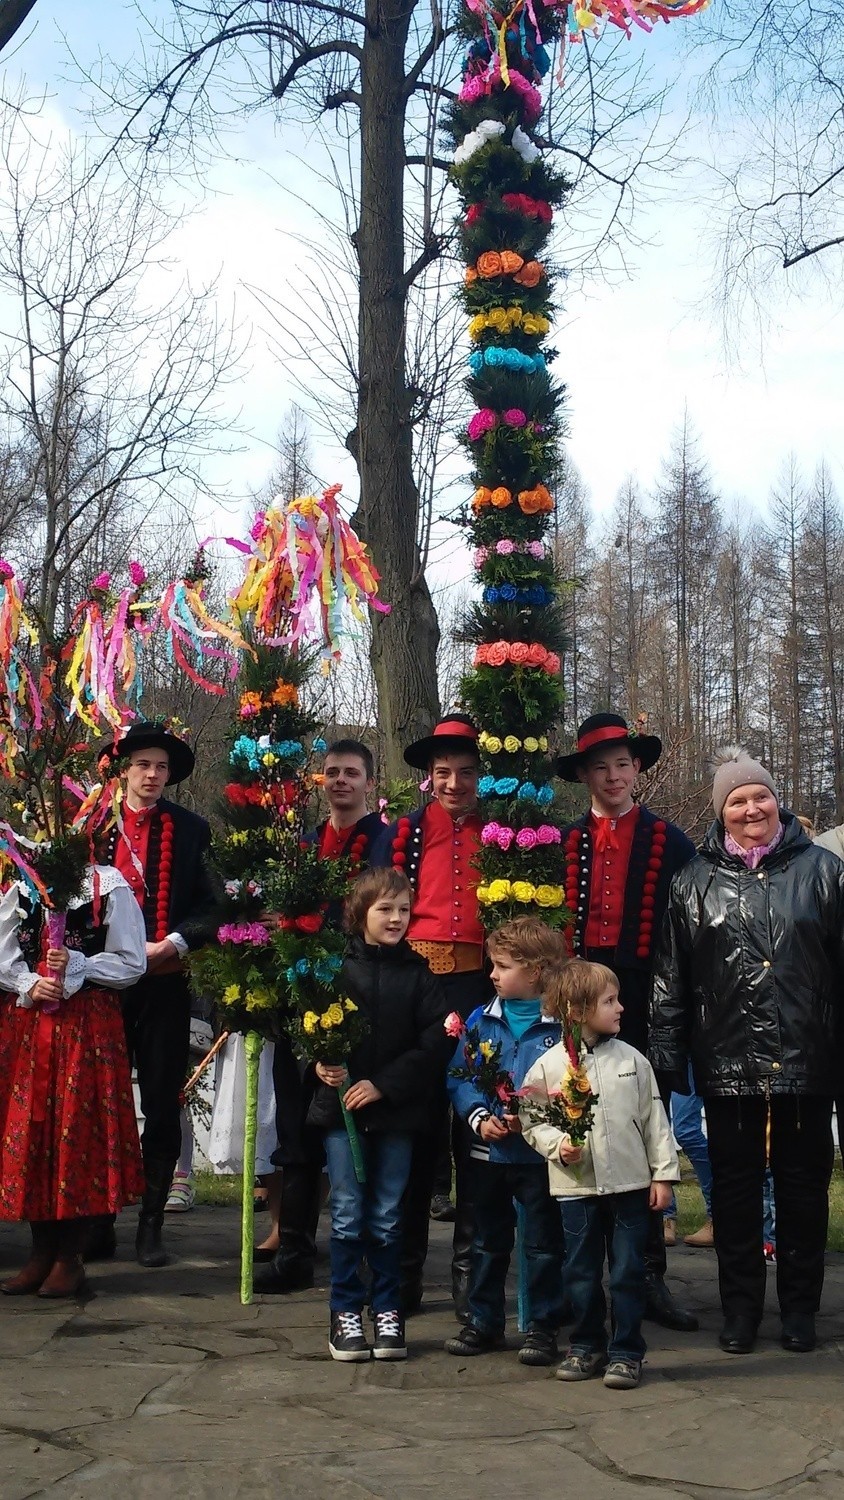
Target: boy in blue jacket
column 524, row 953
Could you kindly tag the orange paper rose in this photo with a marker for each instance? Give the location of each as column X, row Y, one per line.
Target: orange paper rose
column 537, row 655
column 470, row 275
column 501, row 498
column 489, row 264
column 530, row 274
column 481, row 497
column 529, row 502
column 519, row 653
column 552, row 663
column 511, row 263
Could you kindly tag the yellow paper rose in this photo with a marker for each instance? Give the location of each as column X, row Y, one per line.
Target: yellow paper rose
column 498, row 890
column 231, row 994
column 350, row 1005
column 335, row 1011
column 511, row 744
column 493, row 744
column 326, row 1021
column 482, row 894
column 259, row 999
column 531, row 745
column 549, row 895
column 522, row 890
column 543, row 743
column 310, row 1022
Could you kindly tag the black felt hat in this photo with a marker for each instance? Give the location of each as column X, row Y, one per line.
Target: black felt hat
column 451, row 735
column 608, row 731
column 149, row 736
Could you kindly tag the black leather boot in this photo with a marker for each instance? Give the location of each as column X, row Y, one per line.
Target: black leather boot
column 292, row 1267
column 102, row 1239
column 661, row 1308
column 148, row 1247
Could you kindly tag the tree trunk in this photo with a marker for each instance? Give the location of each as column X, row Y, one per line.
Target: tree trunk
column 404, row 642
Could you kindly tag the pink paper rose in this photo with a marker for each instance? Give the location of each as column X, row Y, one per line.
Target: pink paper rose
column 505, row 547
column 453, row 1025
column 514, row 417
column 482, row 421
column 137, row 574
column 526, row 838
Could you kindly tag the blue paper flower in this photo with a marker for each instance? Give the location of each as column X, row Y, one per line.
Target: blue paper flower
column 527, row 792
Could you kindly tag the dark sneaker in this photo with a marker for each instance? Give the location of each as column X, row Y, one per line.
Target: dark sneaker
column 346, row 1340
column 539, row 1348
column 623, row 1374
column 471, row 1340
column 581, row 1366
column 389, row 1336
column 443, row 1209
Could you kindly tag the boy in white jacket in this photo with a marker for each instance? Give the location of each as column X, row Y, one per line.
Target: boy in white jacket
column 606, row 1186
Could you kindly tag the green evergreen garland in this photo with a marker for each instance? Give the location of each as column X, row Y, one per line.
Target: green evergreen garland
column 514, row 692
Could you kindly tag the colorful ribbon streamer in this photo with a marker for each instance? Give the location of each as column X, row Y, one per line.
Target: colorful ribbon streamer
column 307, row 567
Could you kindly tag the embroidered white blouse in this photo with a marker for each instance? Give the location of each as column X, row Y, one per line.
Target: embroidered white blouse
column 123, row 961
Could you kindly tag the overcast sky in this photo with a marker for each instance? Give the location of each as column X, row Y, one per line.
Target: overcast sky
column 634, row 354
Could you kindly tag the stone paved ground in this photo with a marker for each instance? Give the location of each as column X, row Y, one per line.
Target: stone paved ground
column 161, row 1385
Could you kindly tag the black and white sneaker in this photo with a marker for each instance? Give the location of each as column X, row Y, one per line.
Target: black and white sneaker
column 389, row 1336
column 346, row 1339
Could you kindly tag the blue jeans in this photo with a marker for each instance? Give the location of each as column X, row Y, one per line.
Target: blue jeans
column 687, row 1124
column 618, row 1226
column 769, row 1210
column 366, row 1219
column 494, row 1187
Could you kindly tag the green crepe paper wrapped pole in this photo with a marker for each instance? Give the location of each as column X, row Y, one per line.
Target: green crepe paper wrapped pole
column 253, row 1047
column 352, row 1133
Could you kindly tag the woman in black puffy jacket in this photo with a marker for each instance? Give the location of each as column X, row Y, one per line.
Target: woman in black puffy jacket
column 749, row 983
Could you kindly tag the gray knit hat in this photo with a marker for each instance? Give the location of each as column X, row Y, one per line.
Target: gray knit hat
column 734, row 768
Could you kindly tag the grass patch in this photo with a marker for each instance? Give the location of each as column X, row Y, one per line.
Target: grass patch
column 217, row 1192
column 224, row 1192
column 690, row 1211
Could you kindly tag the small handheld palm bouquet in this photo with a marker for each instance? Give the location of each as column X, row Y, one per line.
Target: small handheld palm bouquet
column 330, row 1036
column 481, row 1064
column 571, row 1107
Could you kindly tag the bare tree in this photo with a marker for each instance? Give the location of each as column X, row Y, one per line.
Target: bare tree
column 776, row 85
column 107, row 399
column 13, row 13
column 378, row 73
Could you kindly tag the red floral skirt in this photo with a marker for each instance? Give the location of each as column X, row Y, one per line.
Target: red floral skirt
column 68, row 1135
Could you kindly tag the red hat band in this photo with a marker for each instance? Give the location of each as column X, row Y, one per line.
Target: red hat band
column 600, row 736
column 455, row 729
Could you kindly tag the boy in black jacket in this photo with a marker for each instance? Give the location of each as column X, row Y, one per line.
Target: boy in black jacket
column 394, row 1071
